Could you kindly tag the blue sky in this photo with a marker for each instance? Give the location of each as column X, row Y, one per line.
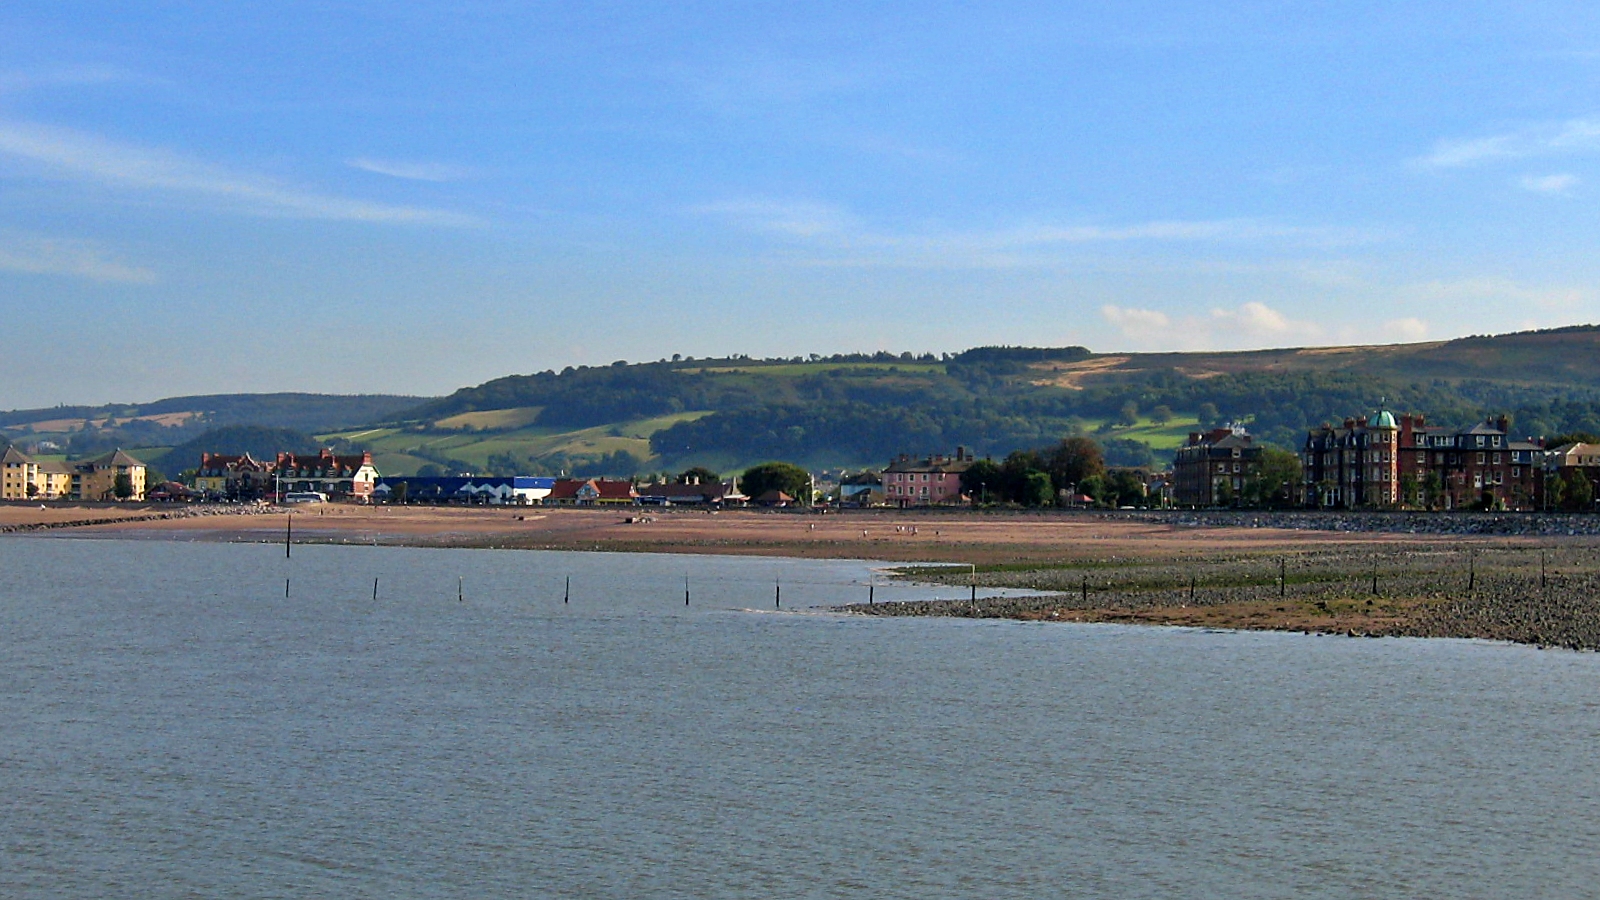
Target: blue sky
column 391, row 197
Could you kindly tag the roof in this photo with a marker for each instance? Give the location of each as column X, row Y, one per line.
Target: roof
column 930, row 464
column 115, row 458
column 1385, row 419
column 13, row 455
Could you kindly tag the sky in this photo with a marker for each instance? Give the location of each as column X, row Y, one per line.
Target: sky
column 352, row 197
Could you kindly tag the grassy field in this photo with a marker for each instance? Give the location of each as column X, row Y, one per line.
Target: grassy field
column 399, row 451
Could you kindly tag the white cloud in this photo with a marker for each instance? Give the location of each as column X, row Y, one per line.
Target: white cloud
column 411, row 171
column 77, row 259
column 1249, row 324
column 72, row 154
column 1135, row 323
column 1580, row 135
column 1254, row 318
column 1548, row 184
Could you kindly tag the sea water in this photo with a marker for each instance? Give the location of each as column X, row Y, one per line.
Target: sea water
column 529, row 724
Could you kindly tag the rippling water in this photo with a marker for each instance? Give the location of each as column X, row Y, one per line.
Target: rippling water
column 171, row 725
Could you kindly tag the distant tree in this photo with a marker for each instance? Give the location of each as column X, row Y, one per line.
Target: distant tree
column 1555, row 491
column 122, row 486
column 983, row 481
column 1208, row 415
column 1125, row 488
column 1014, row 472
column 1572, row 437
column 1410, row 491
column 1580, row 492
column 1225, row 494
column 1072, row 460
column 1434, row 490
column 1277, row 478
column 1129, row 453
column 698, row 475
column 1095, row 488
column 782, row 476
column 1037, row 489
column 1161, row 415
column 33, row 490
column 401, row 493
column 430, row 470
column 1128, row 414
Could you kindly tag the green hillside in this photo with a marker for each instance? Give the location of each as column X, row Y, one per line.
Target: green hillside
column 860, row 410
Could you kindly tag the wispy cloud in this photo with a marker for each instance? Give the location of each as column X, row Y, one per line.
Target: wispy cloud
column 72, row 154
column 830, row 230
column 411, row 171
column 1492, row 292
column 1581, row 135
column 1548, row 184
column 63, row 76
column 73, row 258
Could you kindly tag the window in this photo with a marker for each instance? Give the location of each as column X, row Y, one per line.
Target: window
column 1480, row 459
column 1497, row 459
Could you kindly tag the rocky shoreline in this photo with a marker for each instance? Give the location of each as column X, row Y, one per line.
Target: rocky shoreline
column 1532, row 524
column 1547, row 597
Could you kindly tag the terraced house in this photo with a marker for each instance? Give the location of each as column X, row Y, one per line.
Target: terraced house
column 349, row 476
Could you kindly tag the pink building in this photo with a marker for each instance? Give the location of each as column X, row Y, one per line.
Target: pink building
column 931, row 481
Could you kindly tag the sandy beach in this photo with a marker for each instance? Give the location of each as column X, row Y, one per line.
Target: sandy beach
column 984, row 539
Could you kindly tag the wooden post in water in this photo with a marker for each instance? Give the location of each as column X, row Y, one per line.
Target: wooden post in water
column 1374, row 575
column 461, row 596
column 685, row 590
column 286, row 589
column 1086, row 589
column 777, row 594
column 374, row 590
column 1191, row 587
column 1472, row 569
column 974, row 597
column 288, row 534
column 870, row 586
column 566, row 596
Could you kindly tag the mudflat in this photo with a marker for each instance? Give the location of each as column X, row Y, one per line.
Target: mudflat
column 1372, row 579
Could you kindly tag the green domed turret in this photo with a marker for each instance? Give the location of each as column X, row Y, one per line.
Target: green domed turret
column 1385, row 419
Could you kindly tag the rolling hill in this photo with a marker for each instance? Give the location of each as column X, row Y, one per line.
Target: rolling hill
column 860, row 410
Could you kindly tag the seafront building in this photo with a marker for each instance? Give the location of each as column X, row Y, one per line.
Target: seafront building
column 931, row 481
column 1213, row 467
column 1389, row 461
column 24, row 478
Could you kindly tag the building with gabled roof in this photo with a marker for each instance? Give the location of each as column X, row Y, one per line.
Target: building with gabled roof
column 1214, row 466
column 236, row 477
column 337, row 475
column 96, row 479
